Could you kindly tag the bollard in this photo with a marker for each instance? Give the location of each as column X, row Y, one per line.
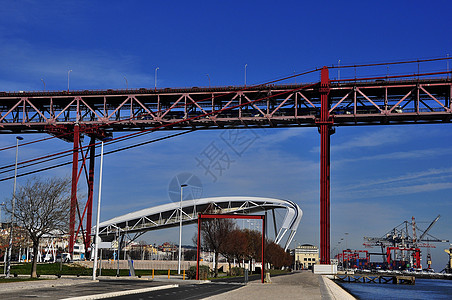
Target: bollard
column 183, row 277
column 267, row 278
column 152, row 273
column 246, row 276
column 168, row 273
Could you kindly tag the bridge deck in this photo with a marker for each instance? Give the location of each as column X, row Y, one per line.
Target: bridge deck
column 367, row 102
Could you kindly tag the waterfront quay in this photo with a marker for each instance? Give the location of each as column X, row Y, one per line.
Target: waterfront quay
column 388, row 277
column 375, row 278
column 296, row 285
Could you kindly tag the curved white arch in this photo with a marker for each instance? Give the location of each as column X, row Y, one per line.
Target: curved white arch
column 167, row 215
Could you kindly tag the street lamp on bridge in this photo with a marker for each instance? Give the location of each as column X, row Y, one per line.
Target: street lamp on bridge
column 209, row 79
column 155, row 79
column 68, row 72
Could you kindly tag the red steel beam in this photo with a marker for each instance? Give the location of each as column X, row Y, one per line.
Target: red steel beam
column 198, row 248
column 325, row 124
column 263, row 250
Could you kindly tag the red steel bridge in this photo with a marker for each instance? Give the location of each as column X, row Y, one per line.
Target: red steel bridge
column 402, row 99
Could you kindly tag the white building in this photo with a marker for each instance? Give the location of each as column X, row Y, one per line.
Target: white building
column 306, row 256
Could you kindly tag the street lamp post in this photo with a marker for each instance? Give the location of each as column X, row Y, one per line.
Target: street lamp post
column 209, row 79
column 10, row 245
column 127, row 83
column 4, row 256
column 155, row 79
column 96, row 238
column 42, row 79
column 180, row 226
column 447, row 65
column 246, row 65
column 346, row 245
column 68, row 72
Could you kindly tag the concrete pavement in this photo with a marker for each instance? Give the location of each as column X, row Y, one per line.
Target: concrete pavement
column 298, row 285
column 81, row 288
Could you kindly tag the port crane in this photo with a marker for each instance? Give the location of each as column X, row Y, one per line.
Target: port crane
column 448, row 268
column 399, row 238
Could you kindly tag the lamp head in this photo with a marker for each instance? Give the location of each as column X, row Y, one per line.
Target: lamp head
column 19, row 138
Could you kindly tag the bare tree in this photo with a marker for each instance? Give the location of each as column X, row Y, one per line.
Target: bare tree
column 215, row 234
column 235, row 247
column 42, row 207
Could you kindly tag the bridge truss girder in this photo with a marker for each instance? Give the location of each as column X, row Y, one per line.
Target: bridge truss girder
column 351, row 103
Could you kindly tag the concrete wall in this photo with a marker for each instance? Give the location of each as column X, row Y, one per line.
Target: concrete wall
column 149, row 264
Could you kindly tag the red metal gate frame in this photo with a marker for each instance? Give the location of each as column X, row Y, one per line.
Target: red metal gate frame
column 230, row 216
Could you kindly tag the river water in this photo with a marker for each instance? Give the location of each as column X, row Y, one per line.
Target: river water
column 423, row 289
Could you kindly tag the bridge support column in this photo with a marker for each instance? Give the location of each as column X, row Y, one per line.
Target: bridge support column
column 89, row 204
column 74, row 189
column 325, row 128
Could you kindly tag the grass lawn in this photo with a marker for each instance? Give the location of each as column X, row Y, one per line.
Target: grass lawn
column 75, row 269
column 17, row 279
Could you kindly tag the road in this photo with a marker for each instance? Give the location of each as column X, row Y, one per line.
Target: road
column 188, row 291
column 68, row 288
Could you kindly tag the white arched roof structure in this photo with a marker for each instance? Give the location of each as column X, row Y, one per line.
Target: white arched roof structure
column 167, row 215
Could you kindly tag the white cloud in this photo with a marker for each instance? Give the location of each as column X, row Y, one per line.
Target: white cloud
column 410, row 154
column 369, row 139
column 391, row 191
column 422, row 176
column 277, row 136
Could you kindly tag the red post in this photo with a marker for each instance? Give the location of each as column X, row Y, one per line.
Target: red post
column 263, row 249
column 74, row 189
column 199, row 246
column 92, row 156
column 325, row 131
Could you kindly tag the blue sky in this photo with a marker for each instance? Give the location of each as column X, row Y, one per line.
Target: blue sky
column 381, row 175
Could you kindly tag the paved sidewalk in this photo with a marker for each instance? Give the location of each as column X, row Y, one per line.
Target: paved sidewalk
column 81, row 287
column 51, row 281
column 298, row 285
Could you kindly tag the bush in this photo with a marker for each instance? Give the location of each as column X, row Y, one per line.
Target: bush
column 204, row 272
column 236, row 271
